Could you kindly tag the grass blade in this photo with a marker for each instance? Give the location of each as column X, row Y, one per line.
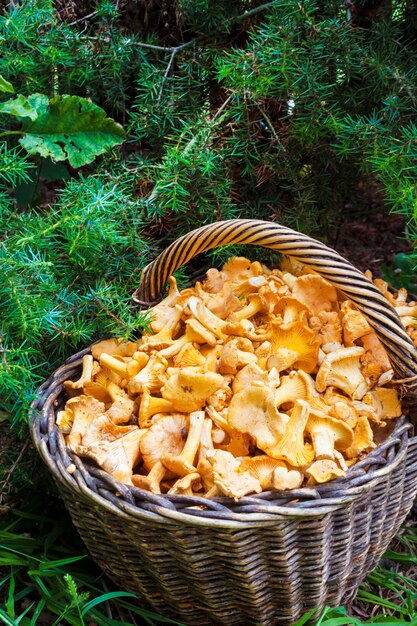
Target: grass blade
column 103, row 598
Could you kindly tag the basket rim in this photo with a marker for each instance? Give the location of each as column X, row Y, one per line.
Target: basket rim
column 266, row 508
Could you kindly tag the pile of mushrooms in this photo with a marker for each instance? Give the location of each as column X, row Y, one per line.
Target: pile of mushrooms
column 253, row 380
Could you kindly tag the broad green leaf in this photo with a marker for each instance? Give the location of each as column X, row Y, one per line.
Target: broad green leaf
column 5, row 86
column 32, row 107
column 73, row 128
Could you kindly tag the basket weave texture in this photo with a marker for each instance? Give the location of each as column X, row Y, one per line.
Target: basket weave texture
column 263, row 559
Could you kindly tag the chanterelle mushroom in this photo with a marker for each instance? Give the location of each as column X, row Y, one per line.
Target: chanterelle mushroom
column 89, row 367
column 354, row 323
column 328, row 433
column 253, row 411
column 341, row 369
column 295, row 337
column 226, row 476
column 150, row 377
column 236, row 353
column 122, row 407
column 183, row 463
column 84, row 409
column 271, row 473
column 102, row 428
column 188, row 390
column 113, row 347
column 117, row 457
column 291, row 447
column 315, row 292
column 168, row 434
column 297, row 386
column 323, row 471
column 125, row 370
column 164, row 311
column 150, row 406
column 363, row 438
column 385, row 402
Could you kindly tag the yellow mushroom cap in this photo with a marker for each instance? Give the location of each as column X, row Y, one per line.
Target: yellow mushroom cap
column 385, row 402
column 84, row 409
column 236, row 353
column 189, row 356
column 284, row 478
column 328, row 433
column 298, row 338
column 151, row 376
column 102, row 428
column 98, row 388
column 237, row 269
column 214, row 281
column 297, row 386
column 291, row 447
column 226, row 476
column 167, row 434
column 247, row 375
column 64, row 420
column 327, row 327
column 354, row 324
column 188, row 390
column 253, row 411
column 340, row 407
column 363, row 438
column 291, row 309
column 341, row 369
column 315, row 292
column 114, row 347
column 322, row 471
column 262, row 468
column 117, row 457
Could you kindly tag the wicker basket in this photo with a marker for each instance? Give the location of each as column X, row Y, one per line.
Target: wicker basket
column 264, row 559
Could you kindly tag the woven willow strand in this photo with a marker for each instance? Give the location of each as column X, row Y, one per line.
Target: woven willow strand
column 314, row 254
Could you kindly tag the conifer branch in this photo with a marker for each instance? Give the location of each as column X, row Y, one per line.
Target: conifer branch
column 165, row 76
column 84, row 18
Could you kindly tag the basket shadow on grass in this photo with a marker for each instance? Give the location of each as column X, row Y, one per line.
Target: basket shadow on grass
column 47, row 578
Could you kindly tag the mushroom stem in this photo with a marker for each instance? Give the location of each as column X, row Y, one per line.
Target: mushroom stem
column 125, row 370
column 183, row 463
column 323, row 443
column 205, row 439
column 291, row 447
column 113, row 364
column 150, row 406
column 152, row 481
column 86, row 376
column 255, row 305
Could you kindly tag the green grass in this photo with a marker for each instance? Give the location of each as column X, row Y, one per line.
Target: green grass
column 47, row 577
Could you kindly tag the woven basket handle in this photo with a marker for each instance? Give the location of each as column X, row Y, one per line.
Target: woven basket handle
column 312, row 253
